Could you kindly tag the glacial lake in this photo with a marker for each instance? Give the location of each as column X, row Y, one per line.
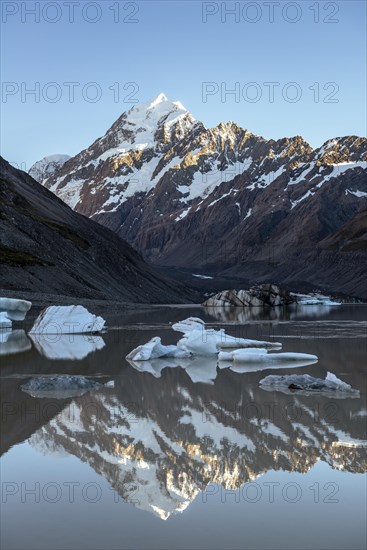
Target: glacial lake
column 194, row 458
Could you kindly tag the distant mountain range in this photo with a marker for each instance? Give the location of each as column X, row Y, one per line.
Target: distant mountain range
column 223, row 200
column 47, row 248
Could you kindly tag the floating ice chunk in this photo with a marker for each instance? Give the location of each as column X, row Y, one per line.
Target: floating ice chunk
column 261, row 356
column 188, row 325
column 5, row 322
column 59, row 386
column 210, row 342
column 244, row 367
column 197, row 340
column 309, row 384
column 201, row 341
column 314, row 299
column 13, row 341
column 66, row 346
column 67, row 320
column 15, row 309
column 153, row 350
column 230, row 342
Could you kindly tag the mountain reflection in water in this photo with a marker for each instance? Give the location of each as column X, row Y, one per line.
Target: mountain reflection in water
column 159, row 442
column 160, row 438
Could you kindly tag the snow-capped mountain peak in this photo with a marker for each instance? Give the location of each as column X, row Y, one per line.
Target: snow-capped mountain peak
column 161, row 100
column 153, row 115
column 44, row 168
column 160, row 178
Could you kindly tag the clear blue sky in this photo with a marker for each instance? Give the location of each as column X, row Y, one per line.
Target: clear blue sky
column 171, row 49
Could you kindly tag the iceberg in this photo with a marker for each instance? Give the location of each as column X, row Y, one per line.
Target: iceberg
column 261, row 355
column 15, row 309
column 197, row 340
column 231, row 342
column 66, row 346
column 314, row 299
column 62, row 386
column 67, row 320
column 201, row 341
column 188, row 325
column 154, row 349
column 242, row 368
column 5, row 322
column 308, row 384
column 13, row 341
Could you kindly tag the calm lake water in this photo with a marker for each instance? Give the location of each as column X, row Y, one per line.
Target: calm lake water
column 190, row 458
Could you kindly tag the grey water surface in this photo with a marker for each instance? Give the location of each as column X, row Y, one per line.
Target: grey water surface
column 187, row 458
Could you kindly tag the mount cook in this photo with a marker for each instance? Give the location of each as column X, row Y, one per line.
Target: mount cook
column 224, row 200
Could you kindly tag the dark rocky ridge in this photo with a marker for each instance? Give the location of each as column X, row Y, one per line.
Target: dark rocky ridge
column 45, row 247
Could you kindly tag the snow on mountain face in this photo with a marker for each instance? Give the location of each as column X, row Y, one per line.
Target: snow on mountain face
column 45, row 168
column 160, row 139
column 125, row 160
column 159, row 179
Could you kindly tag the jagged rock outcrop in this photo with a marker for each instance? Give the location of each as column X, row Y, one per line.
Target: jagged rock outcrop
column 261, row 295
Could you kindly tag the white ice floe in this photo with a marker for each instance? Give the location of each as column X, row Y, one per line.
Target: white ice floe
column 59, row 386
column 308, row 384
column 260, row 362
column 5, row 322
column 15, row 309
column 197, row 340
column 67, row 320
column 210, row 342
column 201, row 341
column 261, row 355
column 154, row 349
column 188, row 325
column 314, row 299
column 13, row 341
column 66, row 346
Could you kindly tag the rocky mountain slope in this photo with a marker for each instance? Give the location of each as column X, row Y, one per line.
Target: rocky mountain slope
column 46, row 247
column 222, row 200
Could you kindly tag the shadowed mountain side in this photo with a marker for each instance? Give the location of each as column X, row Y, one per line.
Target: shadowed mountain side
column 48, row 248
